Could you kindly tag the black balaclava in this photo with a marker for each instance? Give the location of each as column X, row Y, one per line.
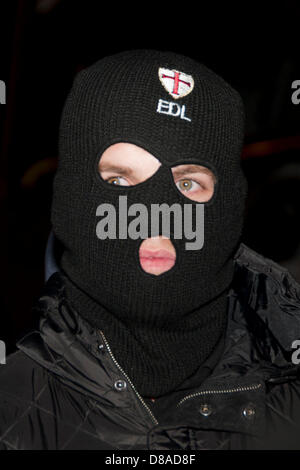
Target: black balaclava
column 160, row 328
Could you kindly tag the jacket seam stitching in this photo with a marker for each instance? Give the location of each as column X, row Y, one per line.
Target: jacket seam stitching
column 27, row 410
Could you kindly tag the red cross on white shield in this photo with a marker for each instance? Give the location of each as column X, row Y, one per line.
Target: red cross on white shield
column 177, row 84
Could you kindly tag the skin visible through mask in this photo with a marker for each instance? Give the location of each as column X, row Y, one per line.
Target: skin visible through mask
column 127, row 165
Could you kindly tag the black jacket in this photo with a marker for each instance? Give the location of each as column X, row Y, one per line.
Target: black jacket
column 63, row 389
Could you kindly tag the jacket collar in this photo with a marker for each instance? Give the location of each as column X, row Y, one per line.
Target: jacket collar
column 268, row 306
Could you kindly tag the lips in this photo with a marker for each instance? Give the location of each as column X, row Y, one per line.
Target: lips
column 156, row 261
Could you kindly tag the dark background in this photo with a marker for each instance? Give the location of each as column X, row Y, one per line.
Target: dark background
column 255, row 47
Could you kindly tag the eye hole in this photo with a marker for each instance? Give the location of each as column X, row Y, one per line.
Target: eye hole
column 124, row 164
column 194, row 181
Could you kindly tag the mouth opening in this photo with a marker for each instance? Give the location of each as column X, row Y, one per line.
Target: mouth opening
column 157, row 255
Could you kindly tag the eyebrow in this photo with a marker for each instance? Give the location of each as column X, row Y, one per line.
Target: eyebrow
column 192, row 169
column 120, row 170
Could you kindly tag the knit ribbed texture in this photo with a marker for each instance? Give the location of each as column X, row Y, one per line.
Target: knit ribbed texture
column 156, row 354
column 163, row 327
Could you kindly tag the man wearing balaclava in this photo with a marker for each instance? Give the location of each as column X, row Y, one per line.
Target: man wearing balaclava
column 203, row 355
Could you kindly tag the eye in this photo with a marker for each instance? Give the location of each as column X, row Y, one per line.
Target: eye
column 187, row 185
column 195, row 182
column 117, row 180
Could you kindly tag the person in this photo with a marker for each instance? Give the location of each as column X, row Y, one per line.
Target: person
column 160, row 330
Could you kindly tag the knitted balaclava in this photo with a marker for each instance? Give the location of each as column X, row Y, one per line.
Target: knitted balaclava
column 160, row 328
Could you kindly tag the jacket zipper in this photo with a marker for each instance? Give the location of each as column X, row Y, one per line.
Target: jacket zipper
column 128, row 379
column 217, row 391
